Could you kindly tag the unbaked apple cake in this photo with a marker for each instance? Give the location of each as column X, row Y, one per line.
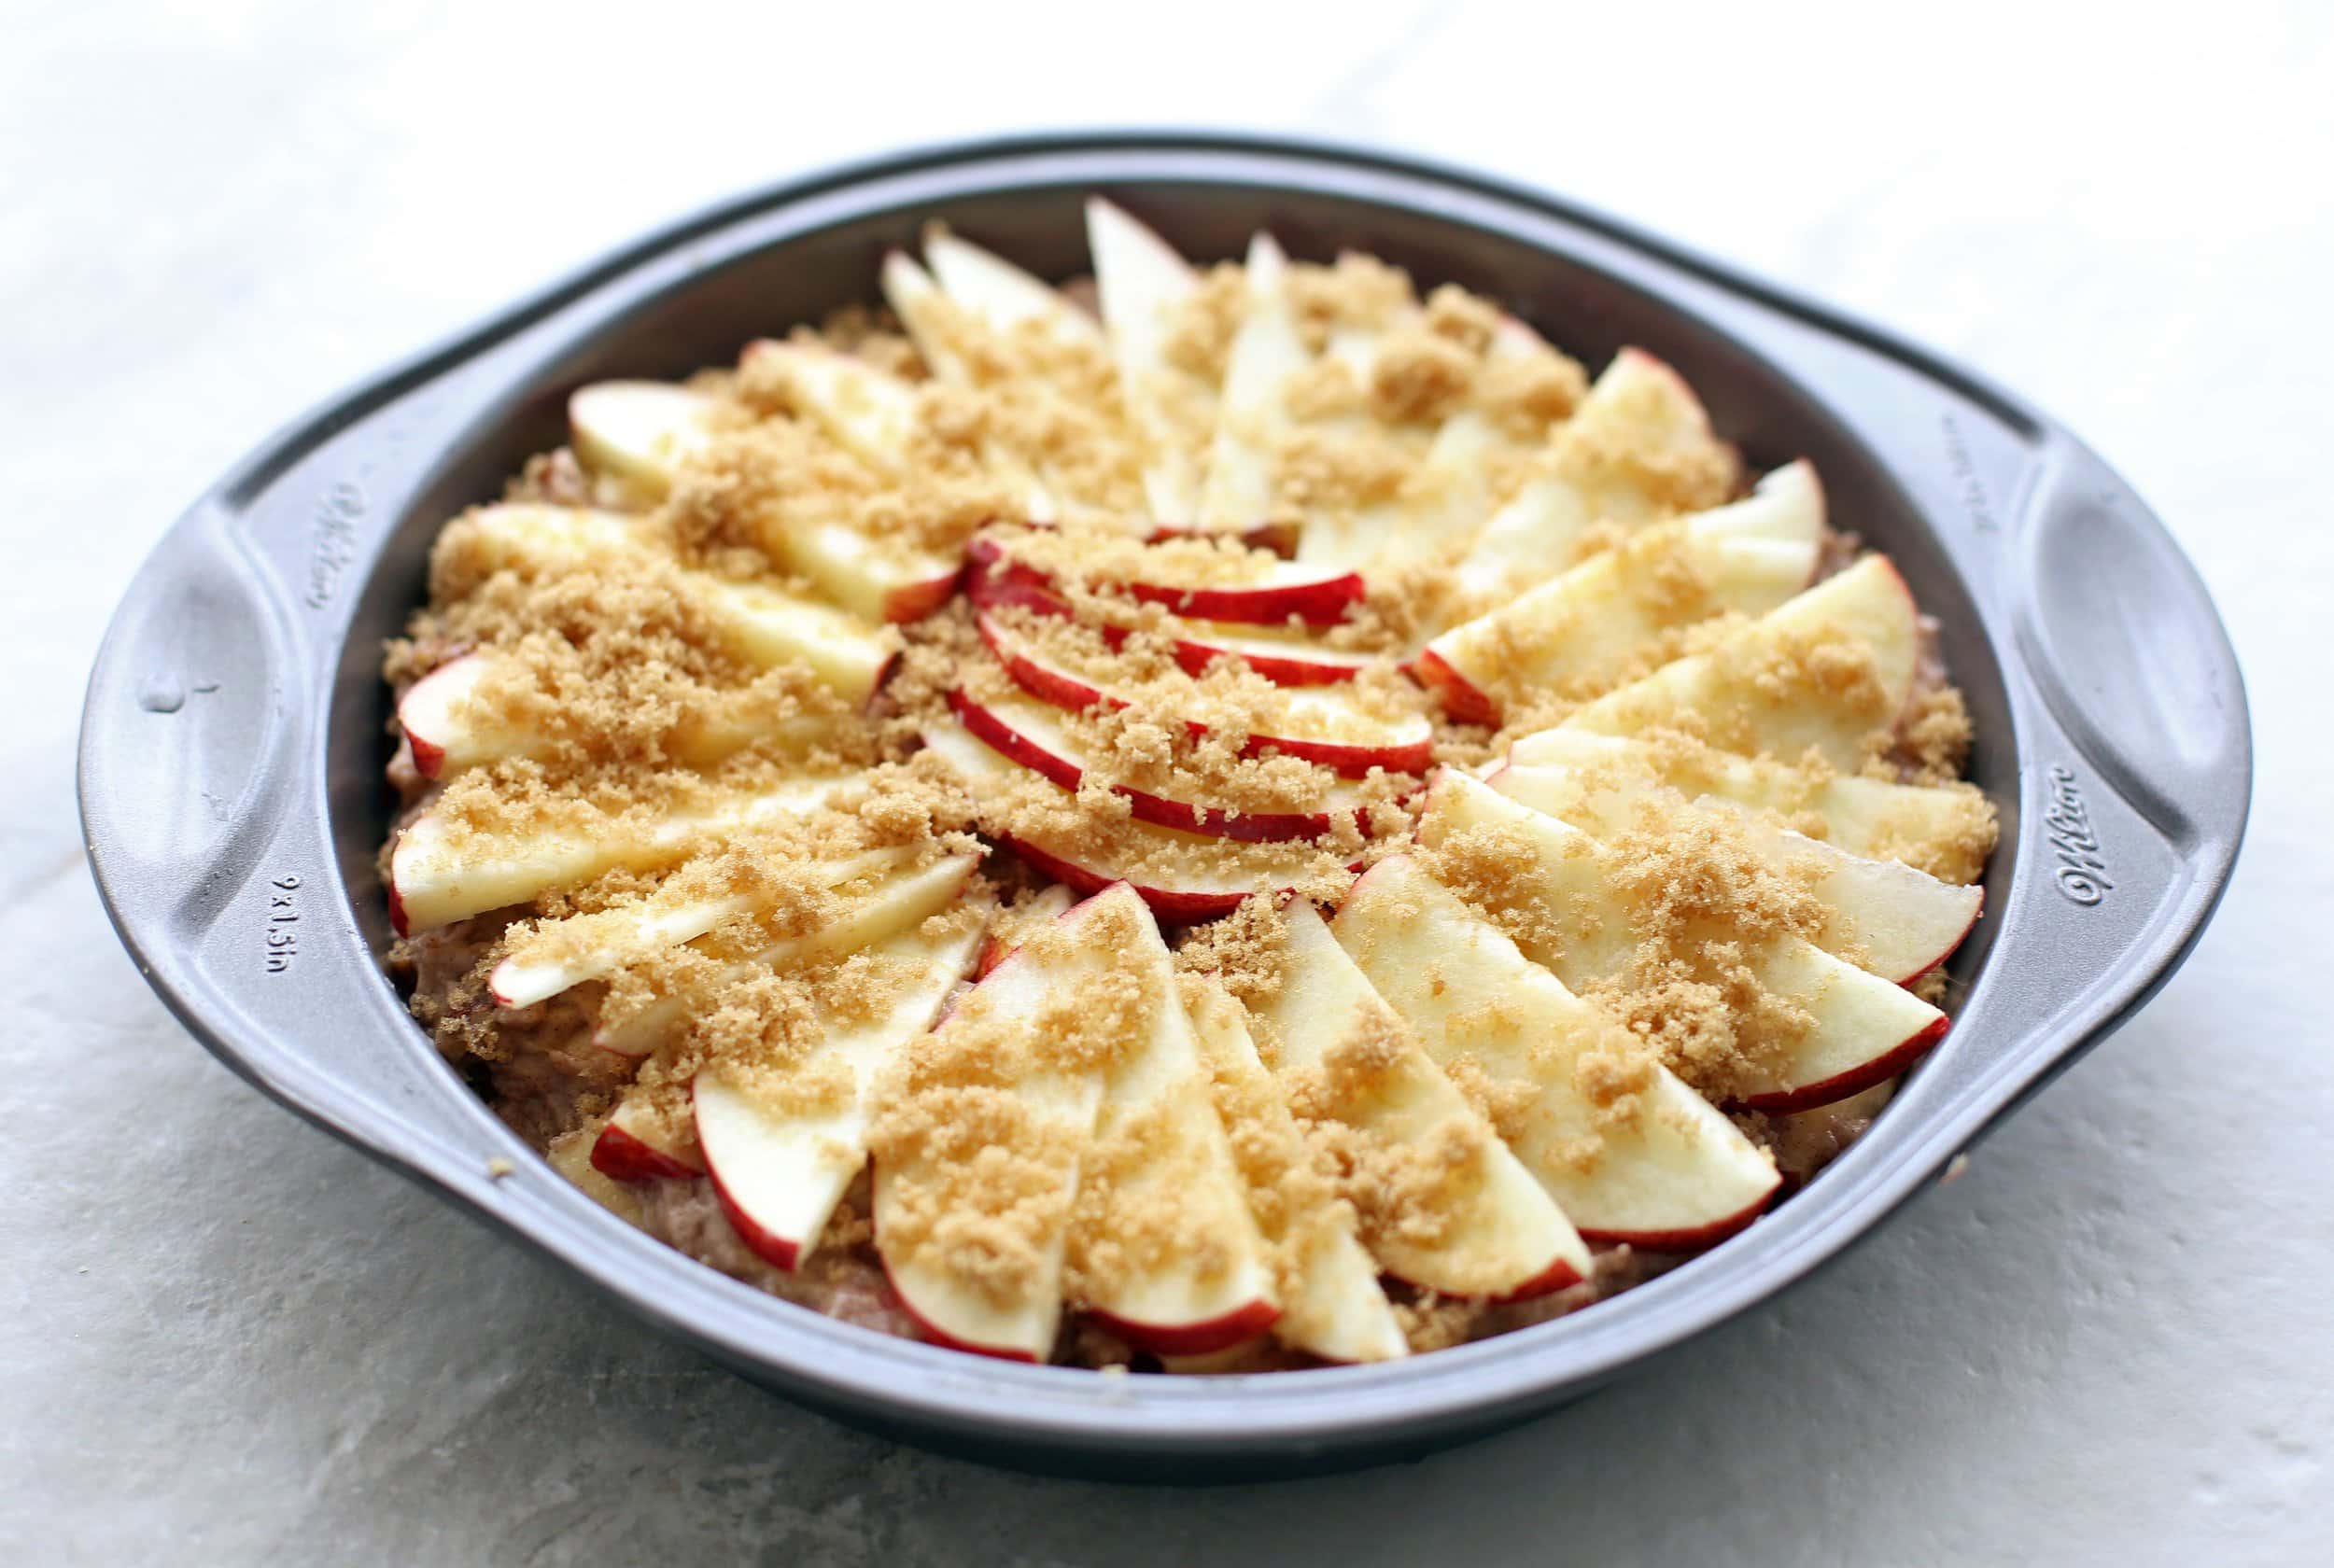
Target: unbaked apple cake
column 1212, row 818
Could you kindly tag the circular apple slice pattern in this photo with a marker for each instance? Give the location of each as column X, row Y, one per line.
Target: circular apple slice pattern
column 1154, row 1175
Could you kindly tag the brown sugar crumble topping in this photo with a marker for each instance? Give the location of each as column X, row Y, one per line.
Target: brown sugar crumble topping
column 1218, row 819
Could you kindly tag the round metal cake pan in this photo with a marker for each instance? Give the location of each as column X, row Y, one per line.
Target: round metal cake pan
column 234, row 739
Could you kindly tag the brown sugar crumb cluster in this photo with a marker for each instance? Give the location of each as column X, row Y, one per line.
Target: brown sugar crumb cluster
column 765, row 485
column 694, row 828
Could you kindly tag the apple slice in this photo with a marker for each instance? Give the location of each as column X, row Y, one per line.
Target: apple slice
column 1947, row 831
column 983, row 1126
column 455, row 860
column 935, row 323
column 1449, row 1206
column 1209, row 583
column 1332, row 1304
column 1041, row 738
column 916, row 300
column 1323, row 725
column 1166, row 1253
column 1252, row 414
column 764, row 626
column 897, row 902
column 549, row 957
column 1577, row 633
column 1282, row 657
column 1628, row 1151
column 1886, row 918
column 876, row 417
column 782, row 1145
column 1001, row 294
column 1183, row 876
column 1827, row 672
column 1444, row 499
column 1049, row 902
column 1638, row 421
column 1858, row 1029
column 450, row 731
column 870, row 412
column 1786, row 506
column 640, row 1142
column 639, row 431
column 570, row 1155
column 1144, row 285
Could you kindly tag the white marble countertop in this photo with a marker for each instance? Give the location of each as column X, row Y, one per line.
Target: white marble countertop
column 225, row 1338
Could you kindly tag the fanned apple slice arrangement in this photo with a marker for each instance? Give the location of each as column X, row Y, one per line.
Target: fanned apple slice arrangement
column 1260, row 809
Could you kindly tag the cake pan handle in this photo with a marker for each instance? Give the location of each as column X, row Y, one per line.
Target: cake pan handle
column 2127, row 652
column 187, row 729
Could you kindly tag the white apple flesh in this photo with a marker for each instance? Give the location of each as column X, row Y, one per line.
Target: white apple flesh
column 895, row 904
column 1877, row 819
column 1487, row 1229
column 1859, row 1029
column 1595, row 617
column 1638, row 405
column 1176, row 1263
column 1252, row 414
column 639, row 431
column 552, row 956
column 1886, row 918
column 762, row 625
column 1142, row 284
column 440, row 872
column 1332, row 1304
column 1777, row 687
column 449, row 730
column 1671, row 1174
column 1038, row 1117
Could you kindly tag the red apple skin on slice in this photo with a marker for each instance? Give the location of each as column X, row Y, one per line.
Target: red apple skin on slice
column 1806, row 1097
column 628, row 1149
column 1461, row 698
column 1255, row 868
column 1066, row 689
column 425, row 711
column 1313, row 597
column 1948, row 830
column 1282, row 663
column 1050, row 904
column 1172, row 1259
column 1202, row 1339
column 780, row 1251
column 1585, row 627
column 1180, row 906
column 1280, row 539
column 1023, row 738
